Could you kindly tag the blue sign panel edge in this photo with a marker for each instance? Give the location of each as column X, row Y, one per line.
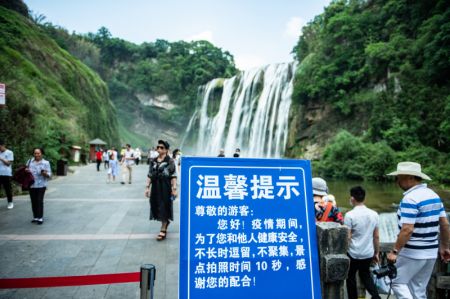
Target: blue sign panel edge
column 188, row 163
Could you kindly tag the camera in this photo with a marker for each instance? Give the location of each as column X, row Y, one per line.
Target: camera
column 388, row 270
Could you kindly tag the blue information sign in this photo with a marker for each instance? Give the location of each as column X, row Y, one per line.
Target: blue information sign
column 247, row 229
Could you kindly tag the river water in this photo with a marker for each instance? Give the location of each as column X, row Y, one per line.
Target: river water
column 380, row 196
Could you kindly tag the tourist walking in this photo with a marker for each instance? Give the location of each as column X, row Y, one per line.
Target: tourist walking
column 137, row 156
column 421, row 219
column 149, row 155
column 122, row 153
column 98, row 157
column 106, row 154
column 127, row 164
column 364, row 243
column 115, row 153
column 324, row 209
column 113, row 169
column 6, row 160
column 152, row 154
column 237, row 153
column 41, row 171
column 162, row 188
column 176, row 155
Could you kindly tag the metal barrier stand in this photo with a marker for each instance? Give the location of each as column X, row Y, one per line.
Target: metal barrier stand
column 148, row 276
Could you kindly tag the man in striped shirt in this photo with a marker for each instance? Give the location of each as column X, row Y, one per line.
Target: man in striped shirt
column 421, row 219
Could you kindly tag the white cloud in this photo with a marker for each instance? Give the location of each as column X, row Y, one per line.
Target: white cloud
column 246, row 62
column 293, row 28
column 204, row 35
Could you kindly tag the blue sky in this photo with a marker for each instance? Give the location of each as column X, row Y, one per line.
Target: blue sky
column 255, row 32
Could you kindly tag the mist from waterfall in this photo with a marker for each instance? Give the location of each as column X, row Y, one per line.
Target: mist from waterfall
column 249, row 111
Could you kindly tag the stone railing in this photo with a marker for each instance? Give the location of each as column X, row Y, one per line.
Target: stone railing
column 334, row 264
column 439, row 284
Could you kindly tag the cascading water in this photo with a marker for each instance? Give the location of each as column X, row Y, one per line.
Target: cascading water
column 249, row 111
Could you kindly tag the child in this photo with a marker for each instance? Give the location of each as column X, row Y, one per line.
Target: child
column 113, row 168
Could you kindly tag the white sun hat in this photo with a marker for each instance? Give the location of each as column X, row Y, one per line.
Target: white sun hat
column 410, row 168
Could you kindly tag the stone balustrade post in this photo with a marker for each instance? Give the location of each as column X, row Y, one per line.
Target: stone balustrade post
column 332, row 240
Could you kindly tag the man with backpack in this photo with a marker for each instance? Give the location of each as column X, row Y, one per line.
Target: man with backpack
column 324, row 209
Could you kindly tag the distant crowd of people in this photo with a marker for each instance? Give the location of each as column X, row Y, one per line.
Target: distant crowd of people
column 237, row 153
column 161, row 183
column 123, row 161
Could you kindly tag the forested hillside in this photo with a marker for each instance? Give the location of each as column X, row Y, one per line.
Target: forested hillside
column 53, row 100
column 153, row 85
column 371, row 89
column 379, row 71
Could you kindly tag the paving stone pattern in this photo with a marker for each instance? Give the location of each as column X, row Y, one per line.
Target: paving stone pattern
column 90, row 227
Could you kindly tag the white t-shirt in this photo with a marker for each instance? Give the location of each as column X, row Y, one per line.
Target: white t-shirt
column 106, row 156
column 6, row 170
column 129, row 154
column 115, row 154
column 137, row 154
column 153, row 154
column 361, row 221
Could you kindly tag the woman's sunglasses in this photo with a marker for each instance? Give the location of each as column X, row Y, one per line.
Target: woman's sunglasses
column 161, row 147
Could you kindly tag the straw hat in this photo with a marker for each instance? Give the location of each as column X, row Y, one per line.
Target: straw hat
column 410, row 168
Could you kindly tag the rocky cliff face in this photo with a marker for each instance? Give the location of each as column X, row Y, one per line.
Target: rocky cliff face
column 313, row 125
column 305, row 137
column 161, row 101
column 155, row 127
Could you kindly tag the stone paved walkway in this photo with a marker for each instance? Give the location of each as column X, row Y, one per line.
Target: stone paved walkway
column 91, row 227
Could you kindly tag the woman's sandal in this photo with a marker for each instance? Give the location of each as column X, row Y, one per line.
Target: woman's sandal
column 162, row 235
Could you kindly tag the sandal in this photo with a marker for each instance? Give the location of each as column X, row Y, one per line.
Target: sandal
column 162, row 235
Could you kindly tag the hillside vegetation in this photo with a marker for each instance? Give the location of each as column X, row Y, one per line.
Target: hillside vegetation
column 372, row 87
column 380, row 71
column 154, row 85
column 53, row 99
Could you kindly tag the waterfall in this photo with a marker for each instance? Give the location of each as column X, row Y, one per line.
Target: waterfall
column 249, row 111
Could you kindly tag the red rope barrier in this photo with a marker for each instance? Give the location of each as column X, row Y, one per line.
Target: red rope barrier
column 68, row 281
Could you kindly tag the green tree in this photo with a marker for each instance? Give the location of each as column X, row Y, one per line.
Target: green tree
column 384, row 69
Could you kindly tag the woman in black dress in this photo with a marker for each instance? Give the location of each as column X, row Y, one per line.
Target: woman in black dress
column 162, row 179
